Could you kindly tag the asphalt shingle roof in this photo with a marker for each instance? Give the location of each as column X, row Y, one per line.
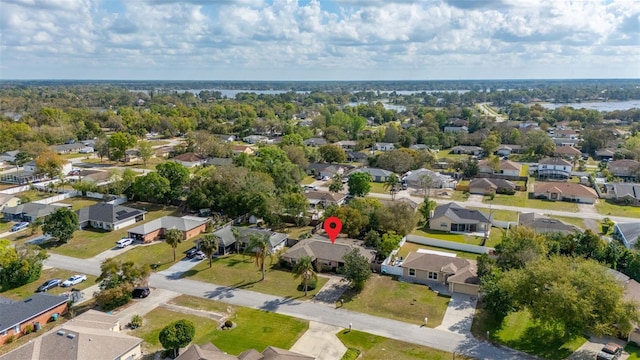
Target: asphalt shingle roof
column 109, row 213
column 17, row 312
column 459, row 214
column 184, row 223
column 226, row 235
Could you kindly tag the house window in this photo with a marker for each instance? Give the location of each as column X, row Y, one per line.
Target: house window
column 412, row 272
column 432, row 275
column 16, row 330
column 444, row 225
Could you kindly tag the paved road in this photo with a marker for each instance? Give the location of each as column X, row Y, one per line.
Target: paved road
column 438, row 339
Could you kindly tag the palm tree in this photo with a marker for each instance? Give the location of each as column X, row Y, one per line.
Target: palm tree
column 20, row 159
column 173, row 237
column 236, row 236
column 392, row 183
column 260, row 246
column 209, row 246
column 304, row 269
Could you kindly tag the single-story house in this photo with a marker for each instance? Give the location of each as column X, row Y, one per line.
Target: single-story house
column 315, row 142
column 255, row 139
column 466, row 150
column 228, row 241
column 624, row 168
column 354, row 156
column 567, row 133
column 461, row 275
column 605, row 154
column 28, row 212
column 560, row 142
column 190, row 159
column 109, row 216
column 68, row 148
column 627, row 233
column 508, row 149
column 31, row 167
column 132, row 155
column 632, row 293
column 377, row 175
column 452, row 217
column 558, row 191
column 225, row 138
column 217, row 161
column 243, row 149
column 322, row 169
column 485, row 186
column 388, row 202
column 191, row 226
column 541, row 224
column 324, row 254
column 626, row 193
column 163, row 151
column 379, row 146
column 8, row 200
column 91, row 335
column 346, row 144
column 211, row 352
column 456, row 129
column 505, row 167
column 325, row 198
column 567, row 152
column 554, row 168
column 415, row 179
column 35, row 311
column 9, row 156
column 419, row 147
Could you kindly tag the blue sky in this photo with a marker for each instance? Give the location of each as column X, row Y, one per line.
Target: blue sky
column 319, row 39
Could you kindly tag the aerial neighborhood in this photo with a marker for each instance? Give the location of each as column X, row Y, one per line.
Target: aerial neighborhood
column 191, row 225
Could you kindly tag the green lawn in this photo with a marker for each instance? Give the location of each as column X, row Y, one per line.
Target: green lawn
column 240, row 271
column 294, row 232
column 520, row 332
column 200, row 304
column 495, row 236
column 607, row 207
column 521, row 199
column 254, row 330
column 89, row 243
column 446, row 153
column 78, row 203
column 29, row 289
column 378, row 347
column 5, row 225
column 378, row 188
column 159, row 254
column 307, row 180
column 34, row 195
column 634, row 352
column 502, row 215
column 409, row 247
column 459, row 196
column 571, row 220
column 383, row 296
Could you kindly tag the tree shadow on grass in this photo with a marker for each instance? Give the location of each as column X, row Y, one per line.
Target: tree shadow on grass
column 234, row 262
column 542, row 341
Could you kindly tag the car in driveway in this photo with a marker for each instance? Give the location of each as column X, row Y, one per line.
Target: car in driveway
column 140, row 292
column 20, row 226
column 48, row 285
column 122, row 243
column 191, row 252
column 611, row 351
column 200, row 255
column 74, row 280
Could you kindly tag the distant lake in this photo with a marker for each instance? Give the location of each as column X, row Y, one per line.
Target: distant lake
column 598, row 105
column 231, row 94
column 398, row 108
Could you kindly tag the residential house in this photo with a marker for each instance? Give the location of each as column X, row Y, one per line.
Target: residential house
column 9, row 156
column 28, row 212
column 466, row 150
column 505, row 167
column 211, row 352
column 217, row 161
column 243, row 149
column 356, row 156
column 324, row 254
column 627, row 233
column 132, row 155
column 508, row 149
column 68, row 148
column 379, row 146
column 554, row 168
column 377, row 175
column 625, row 169
column 567, row 133
column 91, row 335
column 229, row 243
column 625, row 193
column 456, row 129
column 452, row 217
column 190, row 226
column 225, row 138
column 560, row 142
column 461, row 275
column 567, row 152
column 163, row 151
column 572, row 192
column 415, row 179
column 541, row 224
column 190, row 159
column 31, row 167
column 325, row 198
column 486, row 186
column 346, row 144
column 315, row 142
column 8, row 200
column 388, row 202
column 34, row 311
column 320, row 170
column 632, row 293
column 96, row 176
column 458, row 122
column 605, row 154
column 419, row 147
column 255, row 139
column 109, row 217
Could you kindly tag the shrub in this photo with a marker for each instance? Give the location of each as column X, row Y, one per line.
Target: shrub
column 351, row 354
column 10, row 339
column 112, row 298
column 136, row 321
column 310, row 286
column 28, row 329
column 228, row 324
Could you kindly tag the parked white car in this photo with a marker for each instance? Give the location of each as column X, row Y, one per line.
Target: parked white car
column 122, row 243
column 74, row 280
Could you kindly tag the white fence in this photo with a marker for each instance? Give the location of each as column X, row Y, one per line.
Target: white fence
column 389, row 268
column 504, row 224
column 57, row 198
column 15, row 190
column 449, row 244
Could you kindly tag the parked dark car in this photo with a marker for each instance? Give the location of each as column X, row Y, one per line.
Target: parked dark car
column 140, row 293
column 49, row 284
column 611, row 351
column 191, row 252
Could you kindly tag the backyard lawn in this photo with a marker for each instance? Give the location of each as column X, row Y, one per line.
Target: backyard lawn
column 159, row 253
column 521, row 199
column 34, row 195
column 240, row 271
column 520, row 332
column 378, row 347
column 383, row 296
column 78, row 203
column 606, row 207
column 408, row 247
column 254, row 330
column 89, row 243
column 30, row 289
column 495, row 236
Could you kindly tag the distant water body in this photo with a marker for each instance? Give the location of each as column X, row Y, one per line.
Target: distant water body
column 232, row 93
column 598, row 105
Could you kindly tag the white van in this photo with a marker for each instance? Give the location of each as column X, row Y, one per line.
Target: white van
column 122, row 243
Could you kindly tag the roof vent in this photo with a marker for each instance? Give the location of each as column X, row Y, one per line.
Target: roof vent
column 61, row 333
column 71, row 336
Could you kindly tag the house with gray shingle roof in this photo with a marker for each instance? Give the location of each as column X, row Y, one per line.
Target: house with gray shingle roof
column 38, row 308
column 541, row 224
column 28, row 212
column 627, row 233
column 459, row 274
column 325, row 255
column 452, row 217
column 625, row 193
column 109, row 217
column 377, row 175
column 229, row 244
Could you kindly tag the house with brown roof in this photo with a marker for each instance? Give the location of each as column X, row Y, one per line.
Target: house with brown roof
column 505, row 167
column 190, row 159
column 624, row 168
column 571, row 192
column 324, row 198
column 567, row 152
column 190, row 226
column 461, row 275
column 485, row 186
column 211, row 352
column 243, row 149
column 624, row 193
column 325, row 255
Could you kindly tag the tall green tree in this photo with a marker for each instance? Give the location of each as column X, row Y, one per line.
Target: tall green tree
column 332, row 153
column 151, row 187
column 61, row 224
column 426, row 208
column 304, row 269
column 119, row 143
column 177, row 335
column 209, row 245
column 260, row 247
column 19, row 265
column 356, row 269
column 392, row 184
column 145, row 150
column 173, row 237
column 359, row 184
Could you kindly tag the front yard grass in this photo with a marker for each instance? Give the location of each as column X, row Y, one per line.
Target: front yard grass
column 378, row 188
column 571, row 220
column 91, row 242
column 520, row 332
column 158, row 254
column 634, row 351
column 5, row 225
column 240, row 271
column 607, row 207
column 409, row 247
column 502, row 215
column 307, row 180
column 383, row 296
column 78, row 203
column 378, row 347
column 521, row 199
column 495, row 236
column 254, row 330
column 27, row 290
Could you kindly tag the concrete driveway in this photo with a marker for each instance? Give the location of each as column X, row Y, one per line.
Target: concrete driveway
column 459, row 314
column 143, row 306
column 591, row 347
column 321, row 342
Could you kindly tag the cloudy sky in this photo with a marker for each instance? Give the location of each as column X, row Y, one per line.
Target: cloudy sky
column 319, row 39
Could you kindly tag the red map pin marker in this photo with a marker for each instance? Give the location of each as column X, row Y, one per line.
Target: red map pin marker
column 332, row 226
